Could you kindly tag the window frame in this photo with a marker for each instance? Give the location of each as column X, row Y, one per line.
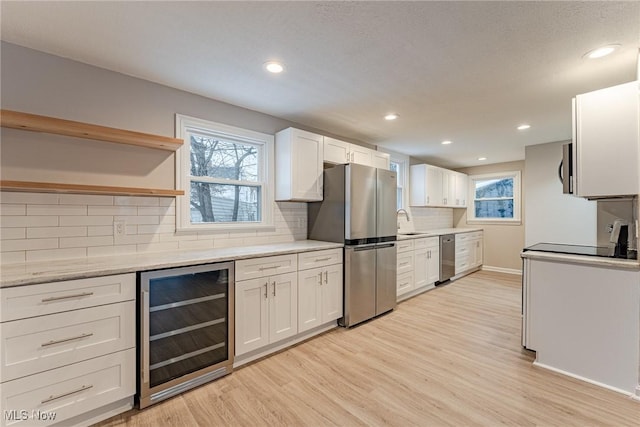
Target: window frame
column 403, row 173
column 185, row 125
column 517, row 199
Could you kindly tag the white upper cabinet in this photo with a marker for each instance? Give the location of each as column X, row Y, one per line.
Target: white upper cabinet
column 381, row 160
column 336, row 151
column 605, row 141
column 299, row 156
column 340, row 152
column 434, row 186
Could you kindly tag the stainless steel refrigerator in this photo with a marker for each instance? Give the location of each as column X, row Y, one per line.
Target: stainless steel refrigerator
column 359, row 210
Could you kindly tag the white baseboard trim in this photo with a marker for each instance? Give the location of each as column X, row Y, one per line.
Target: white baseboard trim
column 590, row 381
column 502, row 270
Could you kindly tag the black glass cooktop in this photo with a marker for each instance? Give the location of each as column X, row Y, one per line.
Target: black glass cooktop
column 602, row 251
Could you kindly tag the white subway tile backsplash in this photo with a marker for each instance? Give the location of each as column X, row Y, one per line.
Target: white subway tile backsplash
column 154, row 219
column 13, row 257
column 100, row 230
column 156, row 210
column 81, row 242
column 157, row 247
column 42, row 226
column 28, row 221
column 13, row 233
column 28, row 244
column 43, row 232
column 56, row 210
column 112, row 210
column 154, row 229
column 29, row 198
column 196, row 244
column 9, row 209
column 85, row 199
column 136, row 201
column 53, row 254
column 66, row 221
column 111, row 250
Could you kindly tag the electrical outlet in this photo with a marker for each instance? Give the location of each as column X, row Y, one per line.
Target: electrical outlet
column 119, row 228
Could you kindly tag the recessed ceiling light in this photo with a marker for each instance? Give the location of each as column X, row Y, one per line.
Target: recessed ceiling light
column 273, row 67
column 446, row 142
column 391, row 116
column 524, row 127
column 601, row 51
column 482, row 158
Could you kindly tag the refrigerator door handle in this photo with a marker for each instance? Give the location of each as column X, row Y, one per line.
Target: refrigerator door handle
column 385, row 245
column 364, row 248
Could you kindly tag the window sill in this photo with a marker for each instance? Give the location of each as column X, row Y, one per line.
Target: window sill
column 219, row 229
column 495, row 221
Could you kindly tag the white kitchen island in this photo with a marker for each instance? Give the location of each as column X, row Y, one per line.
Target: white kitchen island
column 581, row 315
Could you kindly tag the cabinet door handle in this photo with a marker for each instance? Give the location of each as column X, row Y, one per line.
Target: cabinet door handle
column 82, row 294
column 320, row 278
column 69, row 393
column 53, row 342
column 347, row 156
column 265, row 290
column 269, row 268
column 353, row 155
column 274, row 288
column 326, row 277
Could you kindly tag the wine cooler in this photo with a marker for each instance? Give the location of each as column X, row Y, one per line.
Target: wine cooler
column 186, row 329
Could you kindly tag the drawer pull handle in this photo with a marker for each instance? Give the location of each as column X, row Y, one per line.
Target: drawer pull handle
column 60, row 396
column 53, row 342
column 269, row 268
column 83, row 294
column 323, row 259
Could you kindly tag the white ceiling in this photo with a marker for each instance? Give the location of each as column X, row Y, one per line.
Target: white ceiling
column 465, row 71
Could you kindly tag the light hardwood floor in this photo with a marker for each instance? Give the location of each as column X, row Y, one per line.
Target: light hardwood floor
column 449, row 357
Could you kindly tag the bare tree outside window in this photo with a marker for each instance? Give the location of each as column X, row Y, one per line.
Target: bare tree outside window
column 222, row 176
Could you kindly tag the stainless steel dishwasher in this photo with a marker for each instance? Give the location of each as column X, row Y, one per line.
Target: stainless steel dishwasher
column 447, row 257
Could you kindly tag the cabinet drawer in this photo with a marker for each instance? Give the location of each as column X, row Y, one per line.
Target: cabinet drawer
column 462, row 263
column 462, row 249
column 419, row 244
column 404, row 262
column 315, row 259
column 71, row 390
column 404, row 283
column 34, row 345
column 36, row 300
column 432, row 242
column 463, row 237
column 405, row 245
column 266, row 266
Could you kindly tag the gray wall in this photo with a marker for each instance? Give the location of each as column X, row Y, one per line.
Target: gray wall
column 39, row 83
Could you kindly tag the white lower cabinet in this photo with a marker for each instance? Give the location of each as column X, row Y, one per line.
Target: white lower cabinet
column 274, row 310
column 319, row 296
column 67, row 351
column 469, row 251
column 266, row 311
column 418, row 265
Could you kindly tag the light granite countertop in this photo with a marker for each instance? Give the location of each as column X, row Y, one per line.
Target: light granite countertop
column 605, row 262
column 52, row 271
column 418, row 234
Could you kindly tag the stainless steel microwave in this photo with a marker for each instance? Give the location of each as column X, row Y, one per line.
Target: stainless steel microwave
column 565, row 171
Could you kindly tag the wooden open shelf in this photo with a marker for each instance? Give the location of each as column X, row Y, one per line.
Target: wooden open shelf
column 51, row 187
column 35, row 123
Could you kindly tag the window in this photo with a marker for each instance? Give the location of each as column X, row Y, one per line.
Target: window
column 399, row 164
column 496, row 197
column 398, row 169
column 226, row 175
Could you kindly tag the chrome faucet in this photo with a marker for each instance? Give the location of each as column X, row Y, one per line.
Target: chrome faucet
column 406, row 214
